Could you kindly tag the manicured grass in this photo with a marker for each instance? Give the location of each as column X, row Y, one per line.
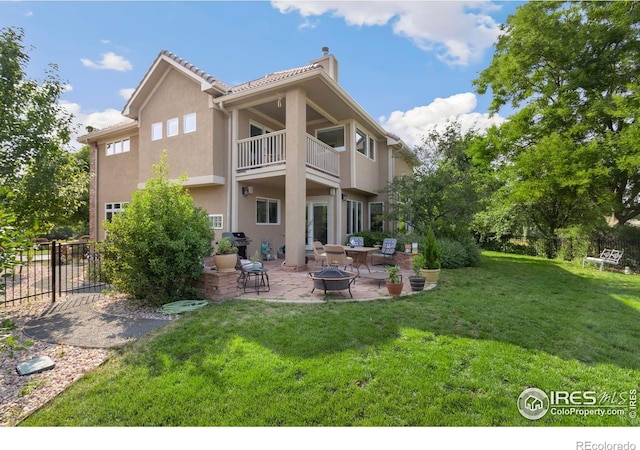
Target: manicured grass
column 459, row 355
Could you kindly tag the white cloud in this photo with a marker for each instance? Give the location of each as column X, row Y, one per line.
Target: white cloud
column 109, row 61
column 414, row 124
column 98, row 120
column 458, row 31
column 126, row 93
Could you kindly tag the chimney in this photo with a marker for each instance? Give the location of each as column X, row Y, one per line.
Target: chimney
column 328, row 62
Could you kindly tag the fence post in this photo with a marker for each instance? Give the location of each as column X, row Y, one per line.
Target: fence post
column 52, row 267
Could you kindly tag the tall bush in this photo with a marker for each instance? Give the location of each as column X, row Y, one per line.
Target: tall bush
column 154, row 247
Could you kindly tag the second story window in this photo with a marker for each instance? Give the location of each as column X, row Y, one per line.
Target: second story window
column 189, row 125
column 333, row 137
column 113, row 148
column 156, row 131
column 172, row 127
column 365, row 144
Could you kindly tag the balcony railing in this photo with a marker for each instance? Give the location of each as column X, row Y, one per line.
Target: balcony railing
column 322, row 157
column 260, row 151
column 270, row 150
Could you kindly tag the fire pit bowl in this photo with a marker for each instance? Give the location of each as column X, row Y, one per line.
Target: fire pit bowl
column 332, row 280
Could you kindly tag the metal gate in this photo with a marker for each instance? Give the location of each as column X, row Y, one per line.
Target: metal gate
column 51, row 269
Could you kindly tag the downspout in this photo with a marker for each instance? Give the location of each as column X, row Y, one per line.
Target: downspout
column 230, row 222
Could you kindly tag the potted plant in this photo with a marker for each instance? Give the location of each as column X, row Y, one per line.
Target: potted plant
column 226, row 256
column 417, row 281
column 394, row 282
column 431, row 253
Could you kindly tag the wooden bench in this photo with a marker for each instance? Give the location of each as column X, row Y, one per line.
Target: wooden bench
column 608, row 256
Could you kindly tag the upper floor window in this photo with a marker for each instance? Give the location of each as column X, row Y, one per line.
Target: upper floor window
column 189, row 125
column 256, row 129
column 113, row 148
column 365, row 144
column 156, row 131
column 172, row 127
column 267, row 211
column 333, row 137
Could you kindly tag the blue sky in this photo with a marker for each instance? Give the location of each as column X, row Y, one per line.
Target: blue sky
column 409, row 64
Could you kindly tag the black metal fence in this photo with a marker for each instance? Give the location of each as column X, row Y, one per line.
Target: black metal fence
column 568, row 249
column 51, row 269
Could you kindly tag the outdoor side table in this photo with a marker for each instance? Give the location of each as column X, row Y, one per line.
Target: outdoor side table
column 260, row 279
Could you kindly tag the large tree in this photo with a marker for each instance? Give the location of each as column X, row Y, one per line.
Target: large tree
column 570, row 71
column 40, row 179
column 447, row 189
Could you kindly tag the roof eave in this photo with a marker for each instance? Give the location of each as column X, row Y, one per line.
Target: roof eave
column 130, row 109
column 96, row 135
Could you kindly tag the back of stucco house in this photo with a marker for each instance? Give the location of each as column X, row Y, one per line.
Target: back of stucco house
column 289, row 158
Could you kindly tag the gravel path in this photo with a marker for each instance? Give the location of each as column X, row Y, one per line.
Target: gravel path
column 21, row 395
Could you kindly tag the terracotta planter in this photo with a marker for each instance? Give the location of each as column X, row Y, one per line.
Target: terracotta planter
column 226, row 263
column 394, row 288
column 432, row 275
column 417, row 282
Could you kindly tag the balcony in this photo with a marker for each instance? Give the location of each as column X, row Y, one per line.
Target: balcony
column 269, row 150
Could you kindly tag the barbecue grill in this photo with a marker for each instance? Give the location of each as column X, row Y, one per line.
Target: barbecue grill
column 240, row 241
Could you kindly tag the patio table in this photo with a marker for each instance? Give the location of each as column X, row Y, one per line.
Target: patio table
column 360, row 256
column 261, row 278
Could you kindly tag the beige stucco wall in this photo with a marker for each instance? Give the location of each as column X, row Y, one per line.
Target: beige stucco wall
column 117, row 176
column 176, row 96
column 247, row 218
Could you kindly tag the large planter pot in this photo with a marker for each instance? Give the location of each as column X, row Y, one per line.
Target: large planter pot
column 226, row 263
column 417, row 282
column 394, row 288
column 432, row 275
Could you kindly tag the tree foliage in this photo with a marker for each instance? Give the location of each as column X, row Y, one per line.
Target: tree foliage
column 447, row 190
column 39, row 179
column 153, row 248
column 570, row 70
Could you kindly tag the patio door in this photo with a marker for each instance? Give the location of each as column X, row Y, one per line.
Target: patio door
column 317, row 214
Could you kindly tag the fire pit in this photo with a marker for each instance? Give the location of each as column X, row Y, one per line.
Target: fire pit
column 332, row 280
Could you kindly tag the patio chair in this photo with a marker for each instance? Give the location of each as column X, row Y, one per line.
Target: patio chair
column 337, row 256
column 386, row 252
column 356, row 241
column 319, row 254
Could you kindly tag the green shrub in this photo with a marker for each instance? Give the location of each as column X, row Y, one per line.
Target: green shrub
column 432, row 252
column 453, row 254
column 154, row 247
column 474, row 255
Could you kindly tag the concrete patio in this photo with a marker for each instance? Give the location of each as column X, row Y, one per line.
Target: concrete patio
column 295, row 286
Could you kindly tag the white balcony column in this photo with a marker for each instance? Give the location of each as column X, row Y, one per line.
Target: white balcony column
column 295, row 182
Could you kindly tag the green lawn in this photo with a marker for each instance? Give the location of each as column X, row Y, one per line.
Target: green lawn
column 459, row 355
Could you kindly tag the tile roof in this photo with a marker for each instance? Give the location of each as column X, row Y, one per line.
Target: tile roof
column 187, row 65
column 272, row 77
